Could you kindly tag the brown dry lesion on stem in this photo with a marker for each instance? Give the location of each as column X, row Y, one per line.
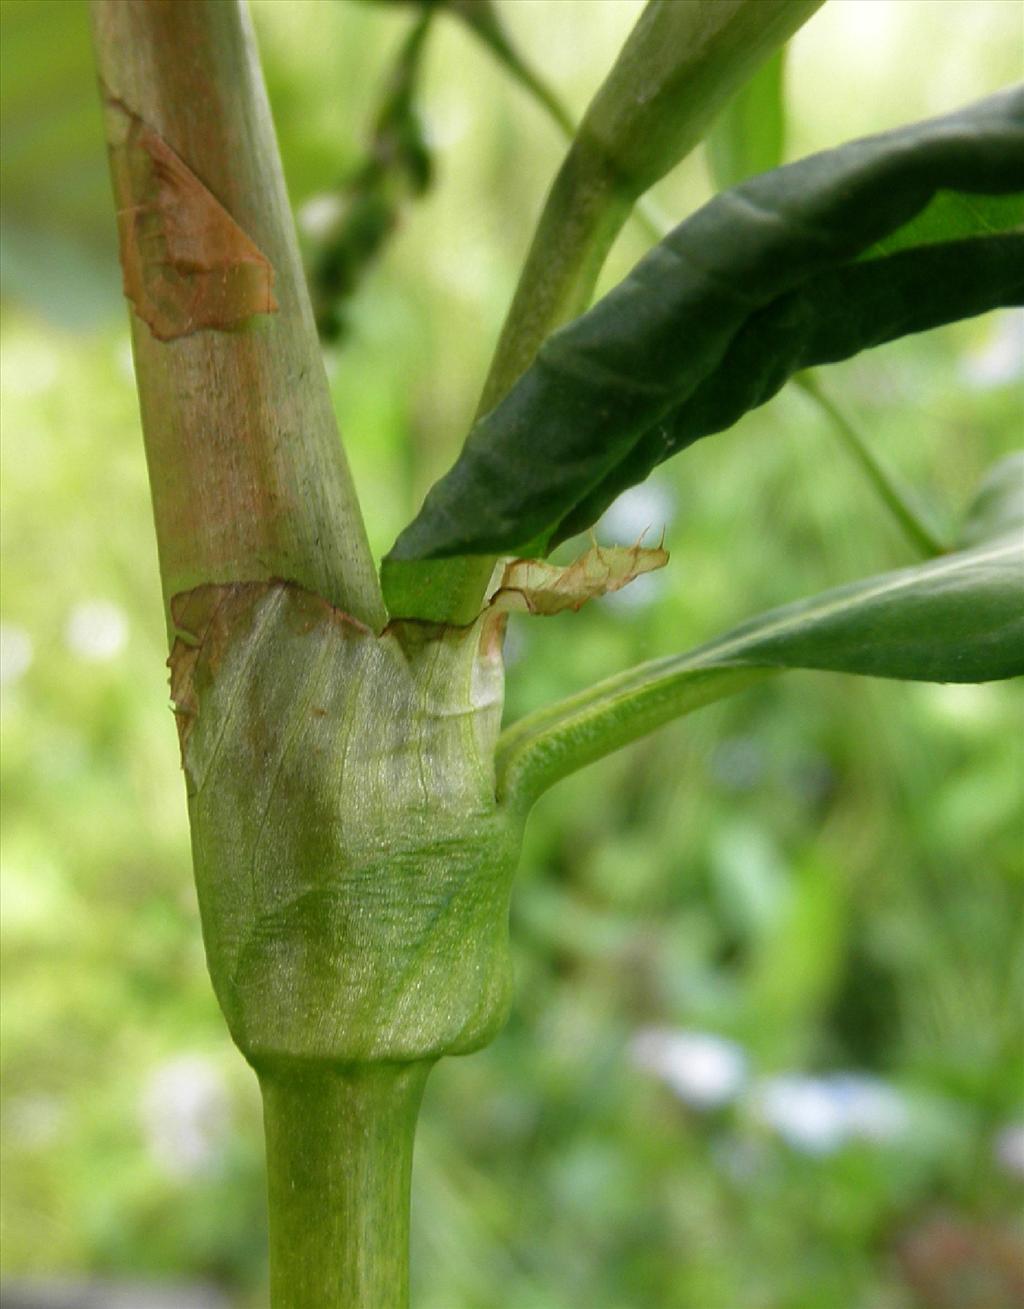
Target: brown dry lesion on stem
column 188, row 266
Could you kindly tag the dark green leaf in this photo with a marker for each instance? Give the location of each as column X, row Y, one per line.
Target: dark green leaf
column 837, row 315
column 764, row 280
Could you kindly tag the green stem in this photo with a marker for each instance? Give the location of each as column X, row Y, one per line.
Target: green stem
column 897, row 498
column 339, row 1162
column 248, row 475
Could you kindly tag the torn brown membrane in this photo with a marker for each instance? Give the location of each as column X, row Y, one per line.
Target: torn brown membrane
column 187, row 265
column 536, row 587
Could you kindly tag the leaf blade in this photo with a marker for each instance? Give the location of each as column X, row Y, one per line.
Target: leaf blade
column 815, row 326
column 609, row 391
column 959, row 618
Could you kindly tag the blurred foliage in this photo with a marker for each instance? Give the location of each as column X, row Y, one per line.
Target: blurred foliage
column 827, row 872
column 368, row 205
column 350, row 225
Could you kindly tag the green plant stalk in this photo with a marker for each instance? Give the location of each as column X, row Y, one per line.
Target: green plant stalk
column 353, row 869
column 897, row 498
column 678, row 68
column 309, row 918
column 248, row 476
column 339, row 1153
column 353, row 858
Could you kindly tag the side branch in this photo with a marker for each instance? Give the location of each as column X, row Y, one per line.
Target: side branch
column 676, row 71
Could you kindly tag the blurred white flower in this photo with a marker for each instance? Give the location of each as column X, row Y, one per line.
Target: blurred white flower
column 1008, row 1149
column 185, row 1115
column 446, row 124
column 319, row 214
column 1001, row 359
column 874, row 1110
column 738, row 763
column 802, row 1111
column 644, row 509
column 15, row 653
column 818, row 1115
column 704, row 1070
column 96, row 630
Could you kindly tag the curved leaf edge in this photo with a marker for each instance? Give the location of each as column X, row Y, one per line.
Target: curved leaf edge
column 888, row 626
column 619, row 402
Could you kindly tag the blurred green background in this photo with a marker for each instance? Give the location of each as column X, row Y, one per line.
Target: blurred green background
column 766, row 1048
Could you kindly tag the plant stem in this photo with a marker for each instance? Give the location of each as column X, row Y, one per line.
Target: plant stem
column 248, row 476
column 897, row 498
column 339, row 1162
